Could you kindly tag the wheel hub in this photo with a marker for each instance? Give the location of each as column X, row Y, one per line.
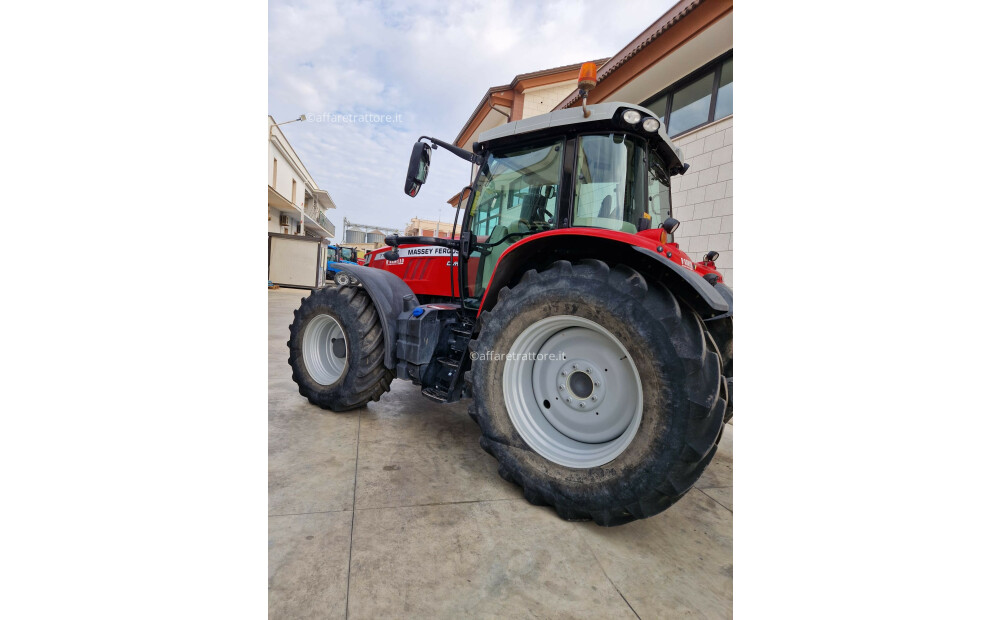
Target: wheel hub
column 324, row 349
column 578, row 400
column 581, row 385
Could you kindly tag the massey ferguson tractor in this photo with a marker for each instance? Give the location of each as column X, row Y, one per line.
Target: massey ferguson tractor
column 597, row 355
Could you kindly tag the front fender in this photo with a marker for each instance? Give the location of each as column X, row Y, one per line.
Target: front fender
column 727, row 294
column 391, row 296
column 708, row 293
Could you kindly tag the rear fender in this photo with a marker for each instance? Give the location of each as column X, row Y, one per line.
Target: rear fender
column 391, row 296
column 539, row 250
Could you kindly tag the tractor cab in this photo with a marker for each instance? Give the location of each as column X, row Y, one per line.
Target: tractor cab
column 600, row 175
column 604, row 172
column 349, row 255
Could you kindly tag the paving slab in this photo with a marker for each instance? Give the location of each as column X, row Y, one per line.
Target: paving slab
column 307, row 565
column 723, row 495
column 678, row 563
column 438, row 534
column 311, row 451
column 489, row 559
column 311, row 459
column 414, row 451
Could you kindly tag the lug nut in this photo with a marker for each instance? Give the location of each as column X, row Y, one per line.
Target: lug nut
column 564, row 373
column 597, row 384
column 593, row 398
column 574, row 366
column 562, row 387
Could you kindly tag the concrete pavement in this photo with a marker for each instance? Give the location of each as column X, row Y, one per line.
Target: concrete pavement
column 395, row 511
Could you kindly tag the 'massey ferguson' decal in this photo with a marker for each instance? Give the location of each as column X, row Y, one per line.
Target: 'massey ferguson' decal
column 421, row 250
column 686, row 262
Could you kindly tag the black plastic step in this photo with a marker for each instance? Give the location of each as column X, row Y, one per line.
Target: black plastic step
column 435, row 394
column 449, row 362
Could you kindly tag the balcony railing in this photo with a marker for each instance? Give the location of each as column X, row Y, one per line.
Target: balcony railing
column 325, row 223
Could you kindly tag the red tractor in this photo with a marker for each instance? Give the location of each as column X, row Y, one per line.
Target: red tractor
column 597, row 355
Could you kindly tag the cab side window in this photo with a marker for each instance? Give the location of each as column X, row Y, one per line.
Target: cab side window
column 608, row 195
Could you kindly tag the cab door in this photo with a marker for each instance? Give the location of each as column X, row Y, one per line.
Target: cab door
column 516, row 195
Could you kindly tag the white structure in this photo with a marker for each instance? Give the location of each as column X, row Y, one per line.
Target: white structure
column 681, row 68
column 295, row 204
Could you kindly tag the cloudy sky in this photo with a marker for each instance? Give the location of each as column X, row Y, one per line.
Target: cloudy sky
column 415, row 69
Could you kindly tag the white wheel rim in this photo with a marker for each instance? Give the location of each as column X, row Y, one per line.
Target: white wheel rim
column 572, row 391
column 319, row 350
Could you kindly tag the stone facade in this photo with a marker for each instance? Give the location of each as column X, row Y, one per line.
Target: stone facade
column 703, row 198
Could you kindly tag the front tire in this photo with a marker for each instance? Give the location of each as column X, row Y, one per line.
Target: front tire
column 336, row 349
column 660, row 409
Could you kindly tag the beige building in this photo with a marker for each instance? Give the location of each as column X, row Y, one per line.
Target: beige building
column 295, row 203
column 429, row 228
column 681, row 68
column 528, row 94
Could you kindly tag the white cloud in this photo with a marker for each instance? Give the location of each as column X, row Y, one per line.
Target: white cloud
column 431, row 63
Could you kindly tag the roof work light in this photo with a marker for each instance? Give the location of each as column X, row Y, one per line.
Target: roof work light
column 588, row 76
column 586, row 81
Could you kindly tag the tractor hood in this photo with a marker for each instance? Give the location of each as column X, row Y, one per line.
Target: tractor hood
column 602, row 116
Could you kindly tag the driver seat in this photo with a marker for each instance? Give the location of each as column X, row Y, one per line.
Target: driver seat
column 606, row 209
column 534, row 208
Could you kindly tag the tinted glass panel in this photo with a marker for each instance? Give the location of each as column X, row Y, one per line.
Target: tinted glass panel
column 658, row 106
column 691, row 105
column 724, row 103
column 606, row 196
column 659, row 191
column 516, row 196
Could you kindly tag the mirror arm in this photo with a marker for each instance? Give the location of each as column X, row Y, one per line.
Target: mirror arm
column 460, row 152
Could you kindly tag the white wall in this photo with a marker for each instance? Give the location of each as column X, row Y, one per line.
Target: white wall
column 541, row 99
column 703, row 198
column 285, row 175
column 274, row 224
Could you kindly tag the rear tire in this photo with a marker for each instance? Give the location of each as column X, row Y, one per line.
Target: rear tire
column 336, row 349
column 681, row 411
column 721, row 331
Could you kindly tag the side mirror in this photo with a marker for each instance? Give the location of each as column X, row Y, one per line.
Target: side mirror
column 416, row 174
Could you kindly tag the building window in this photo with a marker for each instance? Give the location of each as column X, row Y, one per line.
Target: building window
column 274, row 174
column 700, row 98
